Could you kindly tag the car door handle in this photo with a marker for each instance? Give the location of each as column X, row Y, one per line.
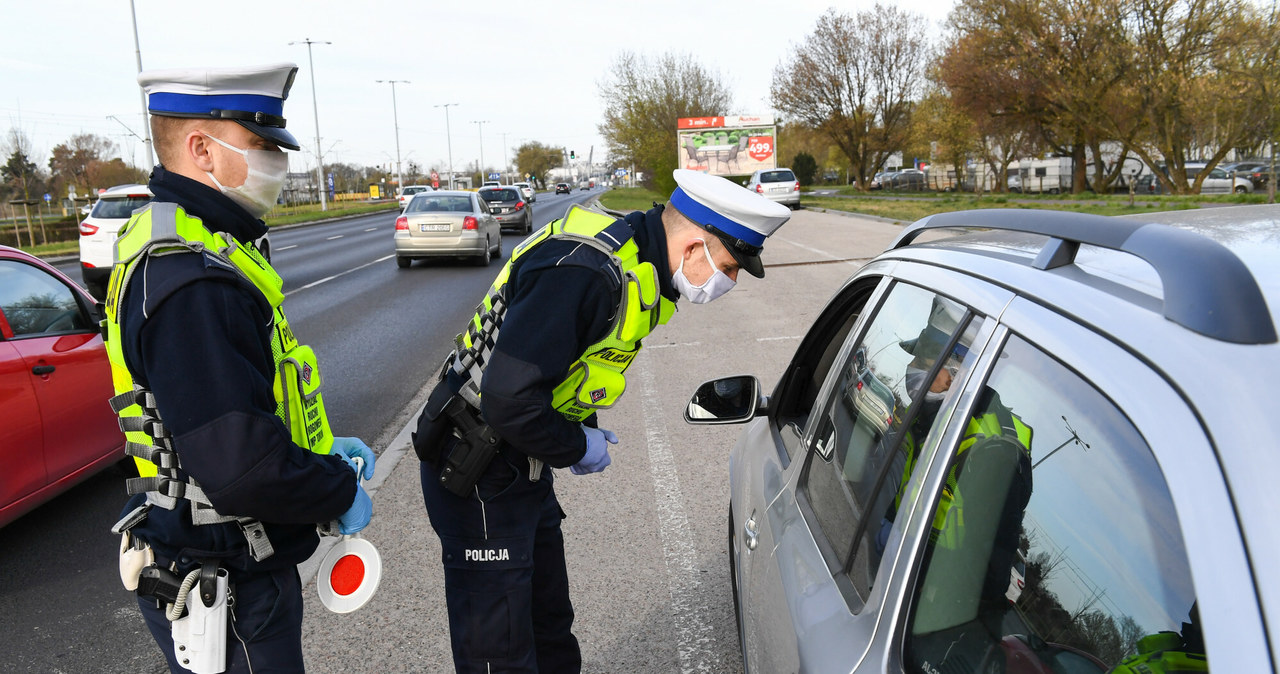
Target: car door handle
column 42, row 369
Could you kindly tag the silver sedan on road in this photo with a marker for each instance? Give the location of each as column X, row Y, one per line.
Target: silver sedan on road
column 447, row 224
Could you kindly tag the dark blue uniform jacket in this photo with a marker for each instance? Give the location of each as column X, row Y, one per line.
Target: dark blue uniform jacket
column 199, row 337
column 562, row 298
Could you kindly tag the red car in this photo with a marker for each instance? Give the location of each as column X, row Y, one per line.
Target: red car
column 54, row 384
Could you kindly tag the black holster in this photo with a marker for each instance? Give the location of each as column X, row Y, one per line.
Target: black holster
column 470, row 457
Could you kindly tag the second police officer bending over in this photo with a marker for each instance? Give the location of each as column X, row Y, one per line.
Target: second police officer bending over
column 549, row 346
column 220, row 404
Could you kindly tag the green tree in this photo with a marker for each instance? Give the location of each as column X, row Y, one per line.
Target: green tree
column 805, row 167
column 535, row 159
column 643, row 99
column 855, row 78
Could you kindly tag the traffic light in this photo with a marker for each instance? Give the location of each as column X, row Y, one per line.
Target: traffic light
column 572, row 155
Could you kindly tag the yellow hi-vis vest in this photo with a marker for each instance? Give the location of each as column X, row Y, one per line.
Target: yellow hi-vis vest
column 948, row 520
column 596, row 380
column 165, row 228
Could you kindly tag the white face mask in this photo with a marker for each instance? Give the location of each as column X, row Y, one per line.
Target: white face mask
column 262, row 182
column 718, row 284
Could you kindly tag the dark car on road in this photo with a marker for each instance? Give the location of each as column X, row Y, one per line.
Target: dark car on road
column 508, row 205
column 54, row 384
column 563, row 188
column 1077, row 474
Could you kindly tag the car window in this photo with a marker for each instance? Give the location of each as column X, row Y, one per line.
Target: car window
column 500, row 195
column 880, row 411
column 1218, row 173
column 797, row 392
column 36, row 303
column 1049, row 471
column 779, row 176
column 119, row 208
column 431, row 203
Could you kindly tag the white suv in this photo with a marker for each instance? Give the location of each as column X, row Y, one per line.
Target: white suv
column 98, row 233
column 527, row 190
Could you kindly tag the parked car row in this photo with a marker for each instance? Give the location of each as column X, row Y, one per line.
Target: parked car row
column 905, row 179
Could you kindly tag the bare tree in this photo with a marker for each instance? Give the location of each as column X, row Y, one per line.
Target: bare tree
column 643, row 99
column 1196, row 82
column 855, row 78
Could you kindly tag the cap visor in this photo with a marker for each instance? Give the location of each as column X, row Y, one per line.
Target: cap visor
column 749, row 263
column 274, row 134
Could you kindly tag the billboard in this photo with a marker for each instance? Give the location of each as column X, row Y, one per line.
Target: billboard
column 727, row 146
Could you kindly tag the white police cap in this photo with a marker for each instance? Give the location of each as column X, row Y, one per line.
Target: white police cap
column 252, row 96
column 741, row 218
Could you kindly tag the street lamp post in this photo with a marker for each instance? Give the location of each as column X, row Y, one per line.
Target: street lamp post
column 137, row 52
column 480, row 126
column 396, row 117
column 448, row 138
column 315, row 108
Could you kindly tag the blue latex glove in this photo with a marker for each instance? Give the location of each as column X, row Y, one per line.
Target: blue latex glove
column 349, row 449
column 358, row 515
column 597, row 456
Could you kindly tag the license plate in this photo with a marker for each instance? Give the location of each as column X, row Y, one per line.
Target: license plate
column 434, row 228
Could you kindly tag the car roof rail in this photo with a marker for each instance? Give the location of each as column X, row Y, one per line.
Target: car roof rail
column 1207, row 288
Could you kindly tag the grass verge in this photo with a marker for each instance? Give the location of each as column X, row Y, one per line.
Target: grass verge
column 630, row 199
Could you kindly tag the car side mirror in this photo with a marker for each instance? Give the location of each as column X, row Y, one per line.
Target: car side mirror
column 728, row 400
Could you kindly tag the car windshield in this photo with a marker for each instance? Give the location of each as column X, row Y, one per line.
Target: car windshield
column 499, row 195
column 409, row 191
column 777, row 176
column 440, row 204
column 119, row 208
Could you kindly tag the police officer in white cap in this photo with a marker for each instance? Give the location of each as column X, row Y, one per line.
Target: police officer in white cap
column 548, row 347
column 220, row 405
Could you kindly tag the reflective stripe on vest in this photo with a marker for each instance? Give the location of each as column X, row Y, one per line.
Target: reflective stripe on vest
column 161, row 229
column 596, row 379
column 948, row 519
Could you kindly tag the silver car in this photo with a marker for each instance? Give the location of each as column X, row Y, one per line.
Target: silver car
column 447, row 224
column 1077, row 474
column 779, row 185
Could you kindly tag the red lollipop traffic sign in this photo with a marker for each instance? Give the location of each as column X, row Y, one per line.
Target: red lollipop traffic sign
column 350, row 571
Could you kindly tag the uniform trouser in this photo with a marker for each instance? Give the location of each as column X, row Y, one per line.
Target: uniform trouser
column 506, row 584
column 264, row 630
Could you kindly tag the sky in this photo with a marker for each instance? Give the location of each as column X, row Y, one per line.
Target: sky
column 517, row 72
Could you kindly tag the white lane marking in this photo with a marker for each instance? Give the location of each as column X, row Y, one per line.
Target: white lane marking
column 812, row 249
column 777, row 339
column 286, row 247
column 371, row 229
column 335, row 237
column 326, row 280
column 693, row 627
column 668, row 346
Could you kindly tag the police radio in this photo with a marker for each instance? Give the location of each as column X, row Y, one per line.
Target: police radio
column 351, row 570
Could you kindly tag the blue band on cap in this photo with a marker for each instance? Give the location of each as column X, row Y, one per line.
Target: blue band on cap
column 697, row 212
column 196, row 104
